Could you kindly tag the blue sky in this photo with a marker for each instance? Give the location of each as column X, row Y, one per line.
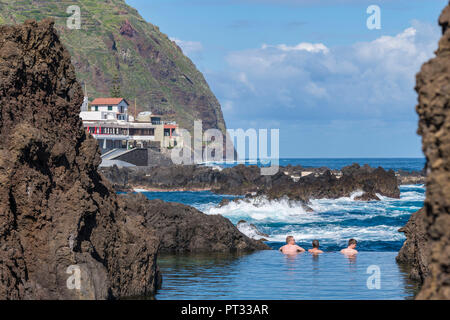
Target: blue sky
column 313, row 69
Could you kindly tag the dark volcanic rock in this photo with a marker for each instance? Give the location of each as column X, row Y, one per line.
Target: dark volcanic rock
column 185, row 229
column 127, row 29
column 327, row 185
column 433, row 87
column 416, row 250
column 413, row 177
column 247, row 180
column 56, row 211
column 366, row 196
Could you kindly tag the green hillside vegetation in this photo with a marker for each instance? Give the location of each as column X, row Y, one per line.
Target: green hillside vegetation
column 115, row 40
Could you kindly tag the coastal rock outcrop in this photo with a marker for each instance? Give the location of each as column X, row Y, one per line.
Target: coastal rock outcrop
column 369, row 181
column 63, row 234
column 416, row 250
column 295, row 183
column 185, row 229
column 433, row 87
column 411, row 177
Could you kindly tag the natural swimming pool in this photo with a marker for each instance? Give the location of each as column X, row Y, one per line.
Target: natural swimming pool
column 374, row 224
column 271, row 275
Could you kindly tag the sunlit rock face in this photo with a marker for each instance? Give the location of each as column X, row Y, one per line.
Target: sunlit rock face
column 63, row 234
column 433, row 87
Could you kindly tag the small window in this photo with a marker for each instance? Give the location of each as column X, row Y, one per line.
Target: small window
column 109, row 108
column 96, row 108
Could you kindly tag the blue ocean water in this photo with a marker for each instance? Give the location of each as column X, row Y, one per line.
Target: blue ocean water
column 406, row 164
column 270, row 275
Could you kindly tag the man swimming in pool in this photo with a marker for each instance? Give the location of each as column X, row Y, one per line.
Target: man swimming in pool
column 315, row 249
column 291, row 247
column 350, row 250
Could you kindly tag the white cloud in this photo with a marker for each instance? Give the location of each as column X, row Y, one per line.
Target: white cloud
column 227, row 106
column 366, row 80
column 188, row 47
column 243, row 79
column 315, row 90
column 303, row 46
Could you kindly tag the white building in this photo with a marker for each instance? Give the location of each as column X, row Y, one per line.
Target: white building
column 106, row 109
column 107, row 120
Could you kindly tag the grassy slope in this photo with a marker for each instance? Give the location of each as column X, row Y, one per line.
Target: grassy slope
column 152, row 68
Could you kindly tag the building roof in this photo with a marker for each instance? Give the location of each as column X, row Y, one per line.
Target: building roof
column 170, row 126
column 108, row 101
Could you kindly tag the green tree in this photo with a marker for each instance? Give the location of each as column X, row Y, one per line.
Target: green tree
column 115, row 88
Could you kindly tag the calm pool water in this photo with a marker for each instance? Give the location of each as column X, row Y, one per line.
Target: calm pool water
column 271, row 275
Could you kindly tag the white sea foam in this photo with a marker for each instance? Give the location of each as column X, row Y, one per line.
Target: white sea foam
column 262, row 209
column 334, row 233
column 328, row 219
column 413, row 186
column 412, row 196
column 405, row 196
column 250, row 231
column 226, row 162
column 356, row 194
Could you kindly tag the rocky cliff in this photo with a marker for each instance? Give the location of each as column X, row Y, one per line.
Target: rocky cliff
column 433, row 87
column 415, row 252
column 58, row 218
column 64, row 233
column 427, row 247
column 115, row 42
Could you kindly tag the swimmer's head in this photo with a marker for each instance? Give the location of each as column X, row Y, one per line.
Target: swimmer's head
column 352, row 243
column 315, row 244
column 290, row 240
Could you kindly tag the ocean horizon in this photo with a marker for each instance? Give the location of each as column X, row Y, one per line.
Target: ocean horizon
column 405, row 164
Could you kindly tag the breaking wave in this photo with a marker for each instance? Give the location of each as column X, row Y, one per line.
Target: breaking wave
column 374, row 224
column 333, row 221
column 261, row 209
